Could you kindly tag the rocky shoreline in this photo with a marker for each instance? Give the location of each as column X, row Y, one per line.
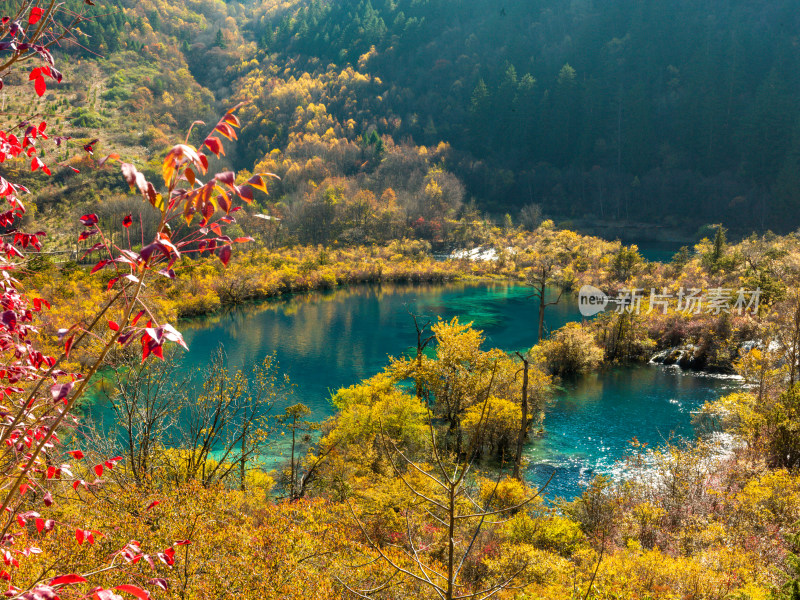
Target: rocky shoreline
column 695, row 358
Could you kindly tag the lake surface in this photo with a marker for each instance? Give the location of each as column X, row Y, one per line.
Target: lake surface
column 326, row 340
column 659, row 251
column 591, row 423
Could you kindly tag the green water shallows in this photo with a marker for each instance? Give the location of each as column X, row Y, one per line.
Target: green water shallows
column 326, row 340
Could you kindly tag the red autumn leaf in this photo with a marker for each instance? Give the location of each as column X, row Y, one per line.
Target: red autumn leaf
column 226, row 130
column 36, row 15
column 153, row 503
column 179, row 155
column 100, row 265
column 159, row 582
column 226, row 178
column 113, row 325
column 99, row 470
column 132, row 589
column 168, row 556
column 127, row 221
column 259, row 182
column 60, row 391
column 68, row 345
column 40, row 86
column 39, row 302
column 241, row 240
column 245, row 193
column 67, row 579
column 79, row 535
column 89, row 220
column 231, row 118
column 214, row 145
column 136, row 591
column 225, row 255
column 224, row 203
column 76, row 454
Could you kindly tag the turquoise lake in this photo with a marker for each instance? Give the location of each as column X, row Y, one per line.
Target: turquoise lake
column 326, row 340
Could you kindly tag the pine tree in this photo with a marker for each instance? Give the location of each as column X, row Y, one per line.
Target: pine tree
column 219, row 41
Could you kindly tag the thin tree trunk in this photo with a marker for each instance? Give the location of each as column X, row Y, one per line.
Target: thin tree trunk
column 523, row 429
column 417, row 375
column 243, row 463
column 451, row 550
column 291, row 483
column 793, row 354
column 542, row 290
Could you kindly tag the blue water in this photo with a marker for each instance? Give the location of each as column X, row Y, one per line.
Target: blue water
column 326, row 340
column 659, row 251
column 590, row 425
